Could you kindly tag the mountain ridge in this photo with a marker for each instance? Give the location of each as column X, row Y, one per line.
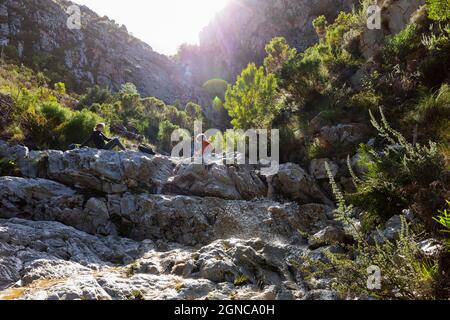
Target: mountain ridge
column 101, row 52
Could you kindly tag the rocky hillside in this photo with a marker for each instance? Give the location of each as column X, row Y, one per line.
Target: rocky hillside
column 94, row 224
column 102, row 52
column 363, row 184
column 238, row 34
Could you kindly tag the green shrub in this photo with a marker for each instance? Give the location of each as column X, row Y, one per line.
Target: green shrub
column 278, row 52
column 399, row 46
column 383, row 188
column 365, row 100
column 79, row 127
column 405, row 274
column 439, row 9
column 444, row 218
column 60, row 87
column 8, row 167
column 34, row 128
column 194, row 110
column 320, row 23
column 166, row 128
column 434, row 108
column 253, row 101
column 93, row 95
column 55, row 114
column 305, row 75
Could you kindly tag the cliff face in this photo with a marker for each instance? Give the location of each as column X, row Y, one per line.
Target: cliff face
column 239, row 33
column 104, row 53
column 100, row 53
column 156, row 228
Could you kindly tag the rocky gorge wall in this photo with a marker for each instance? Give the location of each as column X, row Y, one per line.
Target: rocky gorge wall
column 239, row 33
column 91, row 224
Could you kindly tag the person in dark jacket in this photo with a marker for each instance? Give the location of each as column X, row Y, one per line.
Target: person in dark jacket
column 101, row 141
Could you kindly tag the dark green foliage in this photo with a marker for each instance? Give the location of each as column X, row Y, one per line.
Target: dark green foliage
column 383, row 190
column 55, row 114
column 253, row 101
column 8, row 168
column 166, row 128
column 278, row 52
column 96, row 94
column 194, row 111
column 304, row 75
column 10, row 54
column 398, row 47
column 439, row 9
column 79, row 127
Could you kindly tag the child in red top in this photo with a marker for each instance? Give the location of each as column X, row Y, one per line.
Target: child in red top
column 201, row 138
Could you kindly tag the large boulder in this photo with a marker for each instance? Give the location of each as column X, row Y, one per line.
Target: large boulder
column 217, row 180
column 342, row 135
column 109, row 171
column 184, row 219
column 318, row 170
column 113, row 172
column 294, row 183
column 329, row 236
column 48, row 261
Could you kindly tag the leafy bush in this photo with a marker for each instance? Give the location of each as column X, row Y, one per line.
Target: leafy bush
column 405, row 274
column 253, row 101
column 166, row 128
column 278, row 53
column 33, row 127
column 79, row 127
column 60, row 87
column 444, row 218
column 434, row 107
column 439, row 9
column 305, row 75
column 383, row 188
column 8, row 167
column 10, row 53
column 320, row 23
column 194, row 110
column 55, row 114
column 397, row 47
column 97, row 95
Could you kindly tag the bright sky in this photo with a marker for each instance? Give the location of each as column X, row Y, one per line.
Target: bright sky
column 163, row 24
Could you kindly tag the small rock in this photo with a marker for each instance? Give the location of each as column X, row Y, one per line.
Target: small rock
column 328, row 236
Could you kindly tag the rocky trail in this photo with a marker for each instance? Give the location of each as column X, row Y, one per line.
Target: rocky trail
column 89, row 224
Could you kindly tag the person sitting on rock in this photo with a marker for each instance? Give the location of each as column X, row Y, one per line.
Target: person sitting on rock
column 98, row 138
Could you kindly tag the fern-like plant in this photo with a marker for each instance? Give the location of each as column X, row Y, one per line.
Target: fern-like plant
column 444, row 218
